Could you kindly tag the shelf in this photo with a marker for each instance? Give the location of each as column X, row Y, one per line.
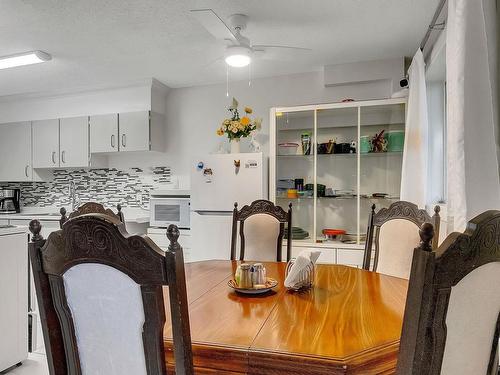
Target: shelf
column 337, row 198
column 308, row 242
column 367, row 154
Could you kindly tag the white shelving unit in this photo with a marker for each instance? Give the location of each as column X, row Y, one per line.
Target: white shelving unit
column 364, row 173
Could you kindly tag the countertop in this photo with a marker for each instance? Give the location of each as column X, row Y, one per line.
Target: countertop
column 12, row 229
column 132, row 215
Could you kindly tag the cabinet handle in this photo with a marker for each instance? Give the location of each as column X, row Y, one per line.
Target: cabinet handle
column 124, row 140
column 26, row 170
column 53, row 157
column 63, row 158
column 112, row 141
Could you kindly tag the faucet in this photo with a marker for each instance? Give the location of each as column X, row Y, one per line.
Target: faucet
column 73, row 195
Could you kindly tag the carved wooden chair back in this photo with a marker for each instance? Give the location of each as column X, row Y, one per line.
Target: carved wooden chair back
column 452, row 315
column 261, row 228
column 64, row 218
column 100, row 294
column 394, row 232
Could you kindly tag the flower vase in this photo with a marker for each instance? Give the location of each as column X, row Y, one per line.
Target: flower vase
column 235, row 146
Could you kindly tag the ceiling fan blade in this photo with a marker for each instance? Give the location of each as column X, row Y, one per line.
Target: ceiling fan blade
column 265, row 46
column 214, row 24
column 282, row 53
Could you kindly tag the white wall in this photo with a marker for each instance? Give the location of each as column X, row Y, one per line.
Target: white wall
column 194, row 113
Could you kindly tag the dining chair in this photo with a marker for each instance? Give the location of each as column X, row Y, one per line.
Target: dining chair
column 261, row 228
column 452, row 317
column 100, row 293
column 395, row 232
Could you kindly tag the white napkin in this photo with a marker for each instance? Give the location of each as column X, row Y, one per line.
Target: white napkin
column 303, row 259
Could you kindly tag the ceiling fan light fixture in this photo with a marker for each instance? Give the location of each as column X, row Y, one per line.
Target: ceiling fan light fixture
column 238, row 57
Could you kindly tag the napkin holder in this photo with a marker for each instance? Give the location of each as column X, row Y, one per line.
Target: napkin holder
column 305, row 278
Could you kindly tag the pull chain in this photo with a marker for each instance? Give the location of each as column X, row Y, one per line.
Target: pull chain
column 227, row 80
column 249, row 75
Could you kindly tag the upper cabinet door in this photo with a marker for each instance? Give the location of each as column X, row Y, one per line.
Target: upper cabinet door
column 134, row 131
column 104, row 133
column 74, row 142
column 46, row 143
column 15, row 143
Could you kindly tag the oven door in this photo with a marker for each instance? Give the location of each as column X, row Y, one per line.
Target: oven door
column 166, row 211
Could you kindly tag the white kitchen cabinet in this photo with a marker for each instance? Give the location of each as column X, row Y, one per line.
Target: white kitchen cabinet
column 45, row 143
column 74, row 142
column 135, row 131
column 48, row 226
column 104, row 135
column 15, row 143
column 327, row 255
column 61, row 143
column 350, row 257
column 127, row 131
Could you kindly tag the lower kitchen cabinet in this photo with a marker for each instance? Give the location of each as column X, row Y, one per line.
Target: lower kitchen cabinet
column 14, row 297
column 48, row 226
column 351, row 255
column 159, row 236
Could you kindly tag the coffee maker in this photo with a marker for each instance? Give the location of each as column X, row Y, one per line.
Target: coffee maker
column 10, row 201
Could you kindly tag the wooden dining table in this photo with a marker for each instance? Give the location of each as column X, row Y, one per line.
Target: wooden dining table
column 349, row 322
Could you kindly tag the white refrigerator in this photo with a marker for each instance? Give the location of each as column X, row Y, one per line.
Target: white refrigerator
column 217, row 182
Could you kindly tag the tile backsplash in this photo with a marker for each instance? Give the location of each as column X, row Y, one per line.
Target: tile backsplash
column 108, row 186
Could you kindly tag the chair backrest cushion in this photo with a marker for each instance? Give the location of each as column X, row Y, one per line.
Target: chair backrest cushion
column 108, row 316
column 396, row 241
column 473, row 310
column 261, row 233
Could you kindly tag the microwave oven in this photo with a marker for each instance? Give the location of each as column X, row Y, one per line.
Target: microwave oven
column 169, row 210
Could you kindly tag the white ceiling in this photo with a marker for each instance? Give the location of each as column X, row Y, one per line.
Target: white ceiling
column 117, row 42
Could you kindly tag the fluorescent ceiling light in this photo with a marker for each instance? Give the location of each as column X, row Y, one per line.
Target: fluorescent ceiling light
column 238, row 56
column 26, row 58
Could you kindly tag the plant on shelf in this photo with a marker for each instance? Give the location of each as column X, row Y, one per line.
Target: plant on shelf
column 236, row 127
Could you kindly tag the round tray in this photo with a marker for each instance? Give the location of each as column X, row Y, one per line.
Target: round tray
column 270, row 284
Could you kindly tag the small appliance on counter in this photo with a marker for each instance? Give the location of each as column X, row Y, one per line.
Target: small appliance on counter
column 10, row 201
column 170, row 206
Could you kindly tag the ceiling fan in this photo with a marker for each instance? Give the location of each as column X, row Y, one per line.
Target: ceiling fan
column 239, row 50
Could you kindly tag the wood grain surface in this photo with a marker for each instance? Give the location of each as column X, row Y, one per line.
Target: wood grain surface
column 348, row 323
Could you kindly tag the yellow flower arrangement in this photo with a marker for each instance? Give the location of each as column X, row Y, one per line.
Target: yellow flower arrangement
column 236, row 127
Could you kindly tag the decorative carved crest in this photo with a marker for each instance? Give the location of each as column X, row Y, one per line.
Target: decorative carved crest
column 461, row 253
column 262, row 206
column 93, row 208
column 96, row 238
column 402, row 210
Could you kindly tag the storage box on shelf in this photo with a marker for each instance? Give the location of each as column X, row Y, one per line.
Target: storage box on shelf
column 345, row 171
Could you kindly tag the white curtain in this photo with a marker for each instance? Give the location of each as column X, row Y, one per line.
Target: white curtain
column 472, row 176
column 416, row 147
